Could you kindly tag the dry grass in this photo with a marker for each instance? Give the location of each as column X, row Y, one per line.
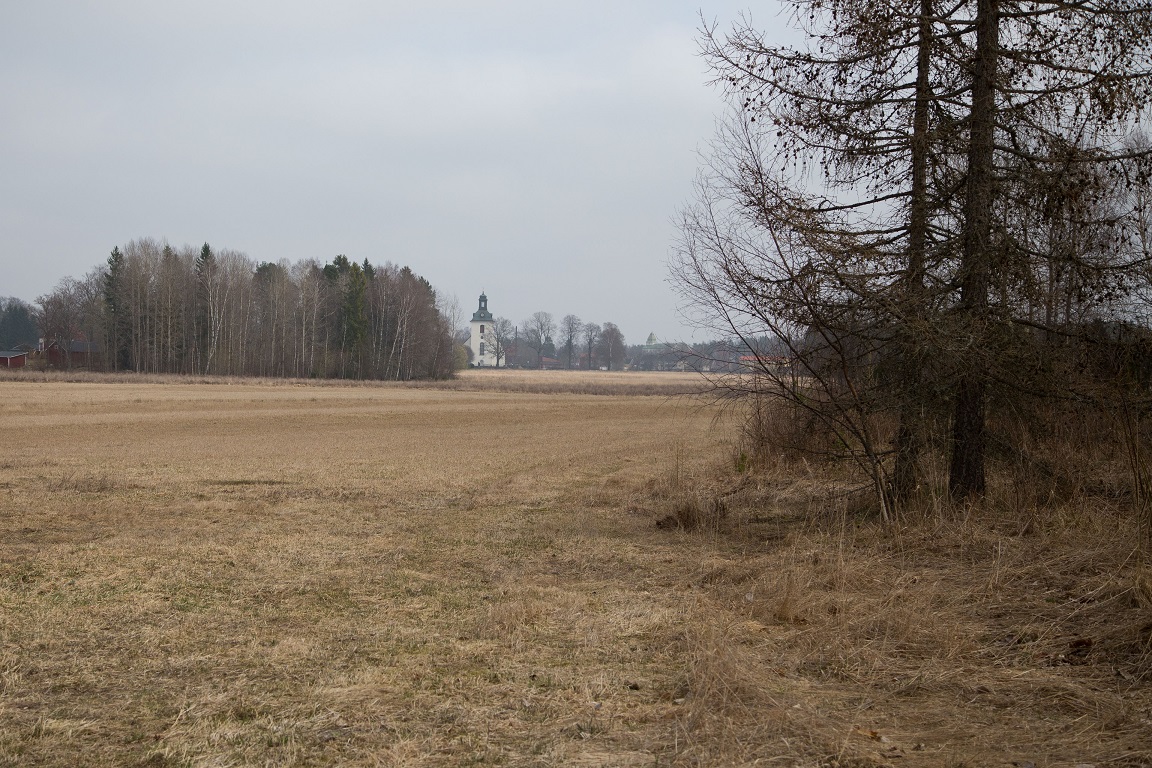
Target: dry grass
column 634, row 383
column 665, row 383
column 271, row 574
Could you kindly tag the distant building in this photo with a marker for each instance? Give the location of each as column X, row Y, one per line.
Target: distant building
column 74, row 354
column 654, row 355
column 13, row 359
column 483, row 340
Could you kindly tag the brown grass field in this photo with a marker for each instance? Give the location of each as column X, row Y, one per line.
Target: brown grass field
column 232, row 573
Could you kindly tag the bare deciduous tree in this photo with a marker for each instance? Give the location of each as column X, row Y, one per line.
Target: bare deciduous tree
column 536, row 332
column 570, row 328
column 591, row 333
column 611, row 347
column 500, row 334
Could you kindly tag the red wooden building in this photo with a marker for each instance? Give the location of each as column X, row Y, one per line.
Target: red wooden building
column 74, row 354
column 13, row 359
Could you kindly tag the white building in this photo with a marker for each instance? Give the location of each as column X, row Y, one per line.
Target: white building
column 483, row 342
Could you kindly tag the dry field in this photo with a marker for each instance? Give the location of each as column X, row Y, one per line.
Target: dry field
column 227, row 573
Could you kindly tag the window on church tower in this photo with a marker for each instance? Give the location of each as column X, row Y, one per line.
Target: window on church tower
column 481, row 347
column 481, row 329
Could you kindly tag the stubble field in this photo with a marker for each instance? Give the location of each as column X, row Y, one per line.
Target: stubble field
column 266, row 573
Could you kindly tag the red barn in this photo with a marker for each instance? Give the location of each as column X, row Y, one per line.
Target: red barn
column 13, row 359
column 73, row 355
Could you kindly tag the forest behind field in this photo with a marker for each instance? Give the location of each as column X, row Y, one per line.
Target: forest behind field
column 152, row 308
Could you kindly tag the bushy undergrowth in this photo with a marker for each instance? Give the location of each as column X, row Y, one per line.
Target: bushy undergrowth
column 857, row 642
column 1043, row 457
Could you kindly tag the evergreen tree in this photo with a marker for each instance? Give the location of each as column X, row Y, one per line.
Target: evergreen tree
column 354, row 315
column 17, row 324
column 116, row 305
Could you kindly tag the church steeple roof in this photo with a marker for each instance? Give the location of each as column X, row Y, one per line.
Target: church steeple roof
column 482, row 314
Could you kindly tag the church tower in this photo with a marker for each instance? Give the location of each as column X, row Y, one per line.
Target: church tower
column 483, row 341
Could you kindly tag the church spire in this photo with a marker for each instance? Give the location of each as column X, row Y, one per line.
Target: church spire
column 482, row 314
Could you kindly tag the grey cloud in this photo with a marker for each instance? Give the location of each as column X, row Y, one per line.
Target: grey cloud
column 534, row 150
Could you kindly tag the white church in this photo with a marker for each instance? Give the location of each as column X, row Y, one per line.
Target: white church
column 483, row 341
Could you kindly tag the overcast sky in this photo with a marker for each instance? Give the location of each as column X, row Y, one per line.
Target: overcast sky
column 535, row 150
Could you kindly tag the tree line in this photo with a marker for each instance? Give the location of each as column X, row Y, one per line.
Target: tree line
column 152, row 308
column 942, row 211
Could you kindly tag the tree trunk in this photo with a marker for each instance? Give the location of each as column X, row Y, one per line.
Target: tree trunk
column 906, row 474
column 966, row 475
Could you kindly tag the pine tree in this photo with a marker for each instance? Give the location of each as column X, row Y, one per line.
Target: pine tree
column 354, row 315
column 116, row 305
